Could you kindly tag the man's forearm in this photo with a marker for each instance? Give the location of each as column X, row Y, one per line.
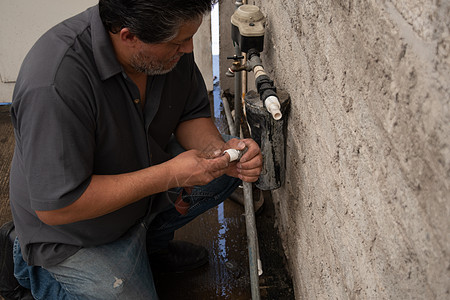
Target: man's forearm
column 200, row 134
column 108, row 193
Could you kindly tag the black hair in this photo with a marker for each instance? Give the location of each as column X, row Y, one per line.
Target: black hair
column 152, row 21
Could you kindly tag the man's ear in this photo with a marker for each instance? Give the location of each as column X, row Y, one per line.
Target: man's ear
column 127, row 37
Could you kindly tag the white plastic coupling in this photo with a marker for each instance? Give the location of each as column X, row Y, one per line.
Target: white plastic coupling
column 234, row 154
column 273, row 106
column 260, row 269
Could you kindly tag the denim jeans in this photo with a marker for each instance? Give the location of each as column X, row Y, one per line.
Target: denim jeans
column 120, row 270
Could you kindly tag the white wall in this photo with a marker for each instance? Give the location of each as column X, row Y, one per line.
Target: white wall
column 22, row 23
column 202, row 51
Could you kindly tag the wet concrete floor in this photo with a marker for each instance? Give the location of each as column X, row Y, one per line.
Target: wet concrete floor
column 221, row 230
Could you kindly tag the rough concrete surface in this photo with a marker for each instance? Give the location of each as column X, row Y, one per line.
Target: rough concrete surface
column 365, row 210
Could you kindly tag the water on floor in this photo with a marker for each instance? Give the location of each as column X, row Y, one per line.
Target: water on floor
column 222, row 231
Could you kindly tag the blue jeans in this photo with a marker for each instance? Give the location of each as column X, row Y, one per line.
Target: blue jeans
column 119, row 270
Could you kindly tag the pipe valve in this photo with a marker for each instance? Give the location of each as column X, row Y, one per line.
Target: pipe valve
column 237, row 65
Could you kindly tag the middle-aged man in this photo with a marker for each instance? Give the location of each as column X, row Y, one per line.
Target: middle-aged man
column 105, row 105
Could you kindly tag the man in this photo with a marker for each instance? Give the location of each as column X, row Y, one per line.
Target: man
column 104, row 106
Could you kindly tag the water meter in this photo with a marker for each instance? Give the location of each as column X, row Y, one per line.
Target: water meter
column 247, row 28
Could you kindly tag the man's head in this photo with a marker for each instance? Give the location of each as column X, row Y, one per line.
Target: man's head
column 151, row 35
column 152, row 21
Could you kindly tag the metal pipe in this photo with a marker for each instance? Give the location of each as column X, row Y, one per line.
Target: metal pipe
column 244, row 79
column 237, row 95
column 228, row 116
column 252, row 240
column 252, row 236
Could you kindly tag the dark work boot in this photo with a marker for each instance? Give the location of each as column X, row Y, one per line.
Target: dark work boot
column 10, row 289
column 178, row 257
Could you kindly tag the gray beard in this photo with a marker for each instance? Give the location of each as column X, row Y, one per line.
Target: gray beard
column 143, row 64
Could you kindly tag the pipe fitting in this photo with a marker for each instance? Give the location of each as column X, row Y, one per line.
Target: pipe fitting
column 273, row 107
column 259, row 71
column 234, row 154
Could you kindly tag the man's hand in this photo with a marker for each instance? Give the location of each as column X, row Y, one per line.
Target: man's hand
column 249, row 166
column 201, row 134
column 193, row 167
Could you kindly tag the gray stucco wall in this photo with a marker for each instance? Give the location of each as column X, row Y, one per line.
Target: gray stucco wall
column 365, row 210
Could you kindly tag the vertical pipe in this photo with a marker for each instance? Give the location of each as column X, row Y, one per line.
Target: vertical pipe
column 244, row 77
column 251, row 240
column 244, row 74
column 229, row 117
column 237, row 95
column 237, row 86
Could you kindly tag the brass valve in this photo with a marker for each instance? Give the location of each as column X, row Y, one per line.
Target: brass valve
column 237, row 66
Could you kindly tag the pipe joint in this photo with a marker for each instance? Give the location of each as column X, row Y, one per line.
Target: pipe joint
column 273, row 106
column 265, row 87
column 254, row 60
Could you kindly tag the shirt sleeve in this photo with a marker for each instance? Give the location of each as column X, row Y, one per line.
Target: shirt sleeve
column 56, row 142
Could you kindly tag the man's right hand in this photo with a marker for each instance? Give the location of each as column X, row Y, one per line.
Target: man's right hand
column 194, row 168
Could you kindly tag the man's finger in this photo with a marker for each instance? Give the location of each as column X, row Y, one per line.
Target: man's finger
column 221, row 162
column 253, row 150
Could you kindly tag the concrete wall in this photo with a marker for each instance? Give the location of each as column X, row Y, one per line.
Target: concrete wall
column 365, row 210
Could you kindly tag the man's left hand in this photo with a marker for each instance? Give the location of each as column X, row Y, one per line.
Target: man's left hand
column 249, row 166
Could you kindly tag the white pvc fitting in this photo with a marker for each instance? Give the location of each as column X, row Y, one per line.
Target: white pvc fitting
column 234, row 154
column 260, row 269
column 259, row 71
column 273, row 106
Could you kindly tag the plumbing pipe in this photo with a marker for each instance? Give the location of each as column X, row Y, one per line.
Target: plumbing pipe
column 273, row 106
column 228, row 116
column 264, row 85
column 237, row 96
column 244, row 78
column 255, row 263
column 237, row 86
column 252, row 239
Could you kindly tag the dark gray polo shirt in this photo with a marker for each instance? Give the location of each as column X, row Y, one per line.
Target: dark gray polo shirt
column 75, row 114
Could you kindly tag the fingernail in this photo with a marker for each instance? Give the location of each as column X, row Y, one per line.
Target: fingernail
column 241, row 145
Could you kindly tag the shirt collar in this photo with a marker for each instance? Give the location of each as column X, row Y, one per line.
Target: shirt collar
column 104, row 55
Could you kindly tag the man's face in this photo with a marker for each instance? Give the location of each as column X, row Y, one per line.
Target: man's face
column 161, row 58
